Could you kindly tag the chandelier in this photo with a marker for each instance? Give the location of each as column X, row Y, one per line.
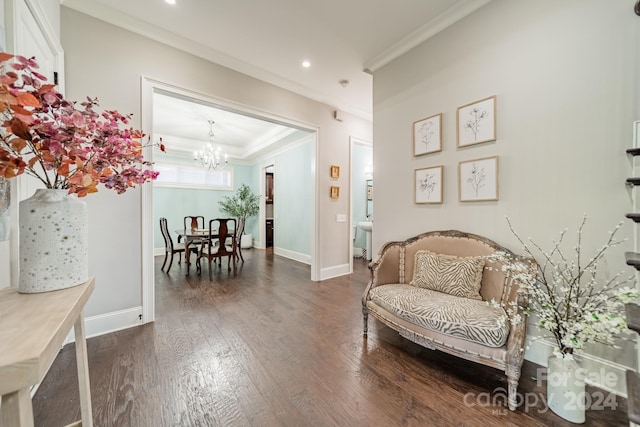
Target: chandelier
column 208, row 156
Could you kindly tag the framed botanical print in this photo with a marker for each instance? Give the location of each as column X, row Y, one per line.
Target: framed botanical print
column 428, row 185
column 476, row 122
column 427, row 135
column 478, row 179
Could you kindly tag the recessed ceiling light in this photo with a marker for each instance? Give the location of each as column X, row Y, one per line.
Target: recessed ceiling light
column 170, row 1
column 306, row 64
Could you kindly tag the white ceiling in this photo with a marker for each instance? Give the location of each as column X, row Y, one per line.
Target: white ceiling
column 268, row 39
column 183, row 125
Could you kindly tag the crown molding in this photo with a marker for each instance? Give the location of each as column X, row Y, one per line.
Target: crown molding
column 153, row 32
column 425, row 32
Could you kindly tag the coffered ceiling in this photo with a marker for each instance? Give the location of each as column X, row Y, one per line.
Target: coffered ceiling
column 183, row 125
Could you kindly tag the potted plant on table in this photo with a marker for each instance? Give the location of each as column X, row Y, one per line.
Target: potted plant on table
column 244, row 204
column 576, row 303
column 70, row 149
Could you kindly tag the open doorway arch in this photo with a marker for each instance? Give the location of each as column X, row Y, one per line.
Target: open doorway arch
column 361, row 165
column 149, row 87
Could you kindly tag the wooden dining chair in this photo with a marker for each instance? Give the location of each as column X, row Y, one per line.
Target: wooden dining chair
column 222, row 244
column 171, row 248
column 193, row 222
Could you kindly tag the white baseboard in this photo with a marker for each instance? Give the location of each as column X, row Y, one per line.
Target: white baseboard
column 296, row 256
column 160, row 251
column 109, row 322
column 335, row 271
column 601, row 373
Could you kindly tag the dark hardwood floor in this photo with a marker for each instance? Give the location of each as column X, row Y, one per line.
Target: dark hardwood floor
column 269, row 347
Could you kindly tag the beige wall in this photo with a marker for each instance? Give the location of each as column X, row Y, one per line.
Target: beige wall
column 105, row 61
column 566, row 79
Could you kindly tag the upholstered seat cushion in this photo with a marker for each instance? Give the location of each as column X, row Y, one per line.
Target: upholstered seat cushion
column 469, row 319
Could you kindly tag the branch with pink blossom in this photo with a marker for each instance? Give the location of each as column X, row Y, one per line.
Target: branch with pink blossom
column 63, row 145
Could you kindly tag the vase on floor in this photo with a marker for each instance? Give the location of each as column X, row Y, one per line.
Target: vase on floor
column 246, row 241
column 53, row 241
column 566, row 388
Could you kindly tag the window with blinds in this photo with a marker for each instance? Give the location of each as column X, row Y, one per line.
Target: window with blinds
column 191, row 176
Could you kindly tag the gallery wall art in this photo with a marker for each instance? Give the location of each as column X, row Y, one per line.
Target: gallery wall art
column 478, row 179
column 477, row 122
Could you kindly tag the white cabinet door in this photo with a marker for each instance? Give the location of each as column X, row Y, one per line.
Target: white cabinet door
column 28, row 33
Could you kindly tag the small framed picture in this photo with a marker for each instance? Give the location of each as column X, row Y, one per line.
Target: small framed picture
column 477, row 122
column 427, row 135
column 428, row 185
column 478, row 179
column 335, row 192
column 335, row 171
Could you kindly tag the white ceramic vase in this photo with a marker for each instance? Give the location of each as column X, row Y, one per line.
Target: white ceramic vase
column 246, row 241
column 566, row 388
column 53, row 242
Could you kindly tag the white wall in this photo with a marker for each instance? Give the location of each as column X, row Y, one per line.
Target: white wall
column 293, row 200
column 105, row 61
column 566, row 79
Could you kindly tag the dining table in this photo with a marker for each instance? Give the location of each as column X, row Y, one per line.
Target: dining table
column 194, row 236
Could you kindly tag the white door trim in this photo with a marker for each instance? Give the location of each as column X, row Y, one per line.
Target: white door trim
column 148, row 87
column 11, row 9
column 19, row 187
column 352, row 142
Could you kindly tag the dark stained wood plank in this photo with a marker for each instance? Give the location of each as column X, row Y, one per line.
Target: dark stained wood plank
column 269, row 347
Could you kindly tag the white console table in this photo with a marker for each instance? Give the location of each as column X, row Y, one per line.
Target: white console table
column 32, row 330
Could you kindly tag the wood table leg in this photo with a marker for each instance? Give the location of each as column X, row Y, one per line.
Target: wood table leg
column 187, row 255
column 17, row 409
column 83, row 372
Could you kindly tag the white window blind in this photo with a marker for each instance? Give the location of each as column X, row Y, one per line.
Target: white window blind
column 192, row 176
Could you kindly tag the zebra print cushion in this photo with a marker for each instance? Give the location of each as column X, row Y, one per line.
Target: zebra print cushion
column 471, row 320
column 460, row 277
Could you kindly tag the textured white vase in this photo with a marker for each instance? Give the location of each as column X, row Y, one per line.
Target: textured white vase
column 53, row 242
column 566, row 388
column 246, row 241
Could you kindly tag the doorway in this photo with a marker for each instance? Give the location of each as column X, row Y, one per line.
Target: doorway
column 149, row 88
column 269, row 199
column 361, row 161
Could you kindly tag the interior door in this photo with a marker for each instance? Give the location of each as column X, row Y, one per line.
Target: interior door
column 28, row 33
